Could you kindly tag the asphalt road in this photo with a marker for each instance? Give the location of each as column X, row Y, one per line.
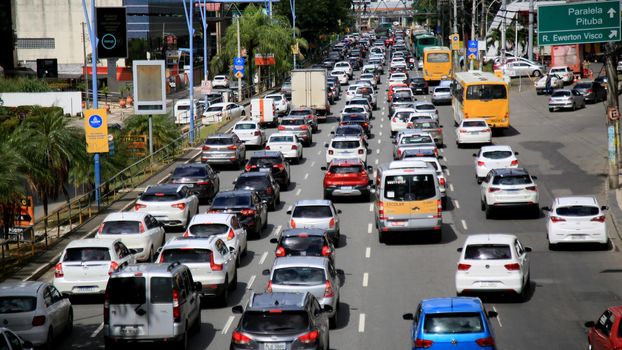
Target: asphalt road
column 566, row 150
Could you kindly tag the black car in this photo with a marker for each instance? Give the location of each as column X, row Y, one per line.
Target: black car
column 350, row 130
column 295, row 320
column 592, row 90
column 354, row 119
column 247, row 205
column 200, row 178
column 275, row 162
column 262, row 182
column 419, row 86
column 304, row 242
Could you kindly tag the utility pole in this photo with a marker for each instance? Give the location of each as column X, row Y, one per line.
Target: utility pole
column 612, row 120
column 292, row 5
column 86, row 79
column 502, row 44
column 530, row 38
column 237, row 22
column 189, row 11
column 473, row 8
column 455, row 31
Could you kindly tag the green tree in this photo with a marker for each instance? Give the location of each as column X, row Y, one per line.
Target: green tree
column 164, row 130
column 11, row 180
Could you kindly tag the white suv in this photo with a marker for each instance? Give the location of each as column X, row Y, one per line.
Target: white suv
column 576, row 219
column 341, row 75
column 140, row 232
column 346, row 147
column 564, row 72
column 344, row 66
column 509, row 187
column 224, row 226
column 171, row 204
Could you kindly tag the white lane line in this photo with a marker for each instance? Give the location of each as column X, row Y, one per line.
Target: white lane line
column 312, row 163
column 263, row 258
column 365, row 279
column 498, row 318
column 379, row 141
column 379, row 133
column 298, row 191
column 382, row 125
column 369, row 227
column 225, row 329
column 378, row 150
column 442, row 150
column 456, row 204
column 464, row 225
column 447, row 172
column 96, row 331
column 362, row 323
column 277, row 230
column 367, row 252
column 451, row 187
column 250, row 282
column 319, row 152
column 371, row 207
column 306, row 176
column 376, row 161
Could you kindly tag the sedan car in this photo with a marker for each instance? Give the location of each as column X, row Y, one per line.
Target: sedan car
column 138, row 231
column 316, row 213
column 342, row 147
column 224, row 149
column 304, row 242
column 252, row 212
column 429, row 125
column 222, row 111
column 493, row 263
column 263, row 183
column 493, row 157
column 604, row 333
column 201, row 178
column 341, row 75
column 567, row 99
column 441, row 95
column 273, row 162
column 592, row 90
column 250, row 133
column 409, row 138
column 289, row 145
column 171, row 204
column 555, row 81
column 473, row 130
column 512, row 187
column 576, row 219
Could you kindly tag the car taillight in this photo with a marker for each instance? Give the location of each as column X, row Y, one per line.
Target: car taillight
column 230, row 235
column 213, row 265
column 280, row 252
column 531, row 188
column 463, row 131
column 304, row 127
column 486, row 130
column 423, row 343
column 141, row 228
column 269, row 287
column 589, row 91
column 512, row 267
column 490, row 341
column 442, row 181
column 463, row 267
column 514, row 163
column 281, row 127
column 58, row 270
column 161, row 261
column 310, row 337
column 328, row 290
column 113, row 267
column 493, row 189
column 248, row 212
column 361, row 151
column 38, row 321
column 326, row 251
column 106, row 307
column 380, row 206
column 294, row 147
column 139, row 206
column 394, row 120
column 399, row 152
column 240, row 338
column 279, row 166
column 599, row 218
column 480, row 163
column 331, row 223
column 176, row 308
column 205, row 148
column 330, row 152
column 180, row 206
column 292, row 223
column 436, row 152
column 557, row 219
column 267, row 147
column 232, row 147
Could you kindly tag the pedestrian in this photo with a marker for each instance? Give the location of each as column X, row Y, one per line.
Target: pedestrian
column 547, row 85
column 586, row 68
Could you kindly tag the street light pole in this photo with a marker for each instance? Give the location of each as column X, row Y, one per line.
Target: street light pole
column 473, row 8
column 237, row 21
column 530, row 39
column 455, row 31
column 189, row 11
column 292, row 4
column 502, row 44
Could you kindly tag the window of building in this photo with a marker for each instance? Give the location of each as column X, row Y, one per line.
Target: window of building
column 36, row 43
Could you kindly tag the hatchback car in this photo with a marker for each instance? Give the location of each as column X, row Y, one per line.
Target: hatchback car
column 281, row 321
column 473, row 131
column 355, row 110
column 201, row 178
column 224, row 149
column 509, row 187
column 218, row 112
column 359, row 120
column 564, row 72
column 12, row 341
column 247, row 205
column 281, row 105
column 171, row 204
column 566, row 99
column 310, row 116
column 304, row 242
column 441, row 95
column 225, row 226
column 299, row 127
column 342, row 147
column 418, row 86
column 592, row 90
column 139, row 231
column 220, row 81
column 451, row 323
column 409, row 138
column 576, row 219
column 250, row 133
column 427, row 107
column 347, row 177
column 316, row 213
column 289, row 145
column 263, row 183
column 36, row 311
column 493, row 263
column 493, row 157
column 341, row 75
column 604, row 333
column 425, row 124
column 350, row 130
column 273, row 162
column 399, row 119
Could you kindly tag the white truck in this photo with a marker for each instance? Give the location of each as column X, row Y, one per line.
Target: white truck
column 263, row 111
column 309, row 90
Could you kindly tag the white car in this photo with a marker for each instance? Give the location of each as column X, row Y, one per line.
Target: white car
column 564, row 72
column 281, row 104
column 400, row 119
column 173, row 205
column 355, row 109
column 341, row 75
column 12, row 341
column 370, row 78
column 397, row 61
column 556, row 83
column 473, row 130
column 250, row 133
column 344, row 66
column 576, row 219
column 36, row 311
column 138, row 231
column 509, row 188
column 399, row 77
column 220, row 81
column 351, row 92
column 86, row 264
column 493, row 263
column 288, row 144
column 346, row 147
column 493, row 157
column 224, row 226
column 428, row 108
column 222, row 111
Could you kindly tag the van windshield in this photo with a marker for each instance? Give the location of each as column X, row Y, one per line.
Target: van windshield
column 126, row 290
column 409, row 187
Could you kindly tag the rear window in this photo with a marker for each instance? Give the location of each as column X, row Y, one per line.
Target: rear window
column 297, row 121
column 252, row 182
column 264, row 161
column 415, row 139
column 583, row 86
column 311, row 245
column 425, row 107
column 512, row 180
column 312, row 211
column 206, row 230
column 183, row 107
column 214, row 109
column 354, row 110
column 232, row 201
column 577, row 210
column 453, row 323
column 126, row 290
column 441, row 90
column 13, row 305
column 403, row 116
column 87, row 254
column 348, row 169
column 418, row 152
column 281, row 138
column 277, row 322
column 437, row 57
column 190, row 172
column 120, row 227
column 348, row 131
column 474, row 123
column 303, row 112
column 160, row 197
column 409, row 187
column 245, row 126
column 186, row 255
column 486, row 92
column 497, row 154
column 215, row 141
column 426, row 125
column 561, row 93
column 161, row 290
column 299, row 275
column 345, row 144
column 488, row 252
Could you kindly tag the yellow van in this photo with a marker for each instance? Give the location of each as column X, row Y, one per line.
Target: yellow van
column 408, row 198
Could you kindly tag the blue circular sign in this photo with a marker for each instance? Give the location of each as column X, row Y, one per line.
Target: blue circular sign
column 95, row 121
column 109, row 41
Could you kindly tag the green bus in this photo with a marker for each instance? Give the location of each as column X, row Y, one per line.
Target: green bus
column 422, row 41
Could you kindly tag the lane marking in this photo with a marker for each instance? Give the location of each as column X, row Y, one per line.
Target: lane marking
column 361, row 323
column 379, row 133
column 250, row 282
column 464, row 225
column 369, row 227
column 306, row 176
column 382, row 125
column 379, row 141
column 225, row 329
column 96, row 331
column 319, row 152
column 376, row 161
column 298, row 191
column 371, row 207
column 367, row 252
column 447, row 172
column 378, row 150
column 277, row 230
column 498, row 318
column 263, row 258
column 451, row 187
column 456, row 204
column 365, row 279
column 312, row 163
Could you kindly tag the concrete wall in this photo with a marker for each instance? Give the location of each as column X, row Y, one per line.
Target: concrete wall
column 70, row 102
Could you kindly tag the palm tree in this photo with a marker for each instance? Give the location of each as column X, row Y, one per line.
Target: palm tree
column 164, row 130
column 11, row 180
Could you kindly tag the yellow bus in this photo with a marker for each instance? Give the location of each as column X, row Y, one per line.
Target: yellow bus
column 478, row 94
column 436, row 63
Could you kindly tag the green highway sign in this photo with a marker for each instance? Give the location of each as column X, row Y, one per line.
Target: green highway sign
column 578, row 23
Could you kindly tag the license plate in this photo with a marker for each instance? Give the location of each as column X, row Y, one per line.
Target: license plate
column 189, row 185
column 474, row 132
column 275, row 346
column 488, row 284
column 85, row 289
column 398, row 223
column 265, row 170
column 129, row 331
column 577, row 237
column 347, row 188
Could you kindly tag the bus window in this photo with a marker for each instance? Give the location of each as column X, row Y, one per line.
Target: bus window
column 437, row 57
column 486, row 92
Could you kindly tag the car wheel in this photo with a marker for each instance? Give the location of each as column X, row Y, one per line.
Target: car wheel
column 196, row 326
column 326, row 195
column 482, row 205
column 334, row 321
column 536, row 211
column 69, row 326
column 151, row 254
column 488, row 210
column 574, row 106
column 265, row 224
column 536, row 73
column 49, row 342
column 551, row 110
column 109, row 344
column 382, row 237
column 182, row 343
column 223, row 300
column 234, row 283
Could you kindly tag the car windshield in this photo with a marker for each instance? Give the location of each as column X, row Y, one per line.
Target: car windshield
column 252, row 182
column 216, row 141
column 281, row 138
column 512, row 180
column 194, row 171
column 345, row 144
column 87, row 254
column 126, row 290
column 486, row 92
column 245, row 126
column 497, row 154
column 312, row 211
column 561, row 93
column 17, row 304
column 231, row 201
column 186, row 255
column 275, row 322
column 577, row 210
column 453, row 323
column 474, row 123
column 120, row 227
column 274, row 97
column 303, row 245
column 487, row 252
column 209, row 229
column 415, row 139
column 409, row 187
column 297, row 121
column 345, row 169
column 299, row 275
column 264, row 161
column 437, row 57
column 160, row 197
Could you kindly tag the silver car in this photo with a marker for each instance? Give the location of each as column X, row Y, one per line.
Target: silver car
column 412, row 139
column 300, row 274
column 316, row 213
column 441, row 95
column 428, row 125
column 224, row 149
column 566, row 98
column 297, row 126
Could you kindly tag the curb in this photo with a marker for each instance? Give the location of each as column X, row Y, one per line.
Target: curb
column 614, row 210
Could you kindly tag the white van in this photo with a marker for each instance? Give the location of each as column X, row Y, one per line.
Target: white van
column 182, row 111
column 263, row 111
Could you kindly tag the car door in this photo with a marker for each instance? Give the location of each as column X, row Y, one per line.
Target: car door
column 56, row 308
column 320, row 320
column 191, row 200
column 484, row 186
column 240, row 231
column 214, row 181
column 156, row 231
column 523, row 258
column 262, row 208
column 229, row 258
column 193, row 308
column 335, row 215
column 578, row 97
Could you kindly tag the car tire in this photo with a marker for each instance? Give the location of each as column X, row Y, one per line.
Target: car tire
column 552, row 246
column 234, row 283
column 334, row 321
column 536, row 73
column 69, row 326
column 150, row 256
column 574, row 106
column 551, row 110
column 382, row 237
column 49, row 342
column 326, row 195
column 223, row 299
column 482, row 205
column 109, row 344
column 488, row 210
column 182, row 344
column 535, row 211
column 196, row 326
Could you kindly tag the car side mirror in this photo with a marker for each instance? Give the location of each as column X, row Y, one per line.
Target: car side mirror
column 440, row 126
column 474, row 154
column 394, row 142
column 289, row 212
column 459, row 250
column 234, row 181
column 370, row 168
column 534, row 177
column 332, row 133
column 408, row 317
column 325, row 145
column 528, row 249
column 604, row 207
column 327, row 308
column 274, row 240
column 590, row 324
column 515, row 153
column 158, row 251
column 238, row 309
column 265, row 272
column 133, row 251
column 492, row 314
column 323, row 168
column 231, row 250
column 197, row 286
column 338, row 211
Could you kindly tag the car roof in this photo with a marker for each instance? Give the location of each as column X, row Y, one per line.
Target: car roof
column 306, row 261
column 510, row 171
column 496, row 148
column 304, row 202
column 220, row 135
column 576, row 200
column 345, row 138
column 136, row 270
column 266, row 154
column 452, row 304
column 91, row 243
column 190, row 242
column 212, row 218
column 126, row 215
column 277, row 300
column 490, row 238
column 255, row 174
column 20, row 288
column 303, row 231
column 281, row 134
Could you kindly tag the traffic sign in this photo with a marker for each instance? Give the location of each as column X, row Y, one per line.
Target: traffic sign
column 472, row 49
column 238, row 66
column 455, row 41
column 239, row 75
column 96, row 130
column 578, row 23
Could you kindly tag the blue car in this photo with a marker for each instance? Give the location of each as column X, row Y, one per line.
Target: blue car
column 452, row 323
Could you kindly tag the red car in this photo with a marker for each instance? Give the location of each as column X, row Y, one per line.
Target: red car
column 348, row 178
column 604, row 333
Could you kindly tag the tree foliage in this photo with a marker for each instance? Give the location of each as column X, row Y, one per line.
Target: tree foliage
column 163, row 128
